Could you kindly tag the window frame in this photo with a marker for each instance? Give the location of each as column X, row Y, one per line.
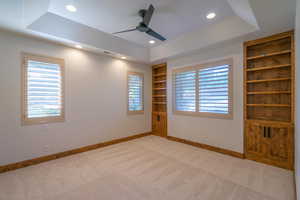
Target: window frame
column 24, row 86
column 134, row 112
column 197, row 67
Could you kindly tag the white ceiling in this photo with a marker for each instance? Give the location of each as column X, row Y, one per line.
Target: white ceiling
column 182, row 22
column 171, row 18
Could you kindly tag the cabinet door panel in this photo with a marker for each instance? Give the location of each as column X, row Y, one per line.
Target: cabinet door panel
column 280, row 145
column 254, row 141
column 155, row 124
column 159, row 123
column 270, row 143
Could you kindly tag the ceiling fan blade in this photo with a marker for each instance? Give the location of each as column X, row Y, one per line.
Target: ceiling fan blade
column 129, row 30
column 156, row 35
column 148, row 15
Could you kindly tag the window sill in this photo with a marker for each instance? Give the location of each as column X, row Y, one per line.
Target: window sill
column 140, row 112
column 205, row 115
column 47, row 120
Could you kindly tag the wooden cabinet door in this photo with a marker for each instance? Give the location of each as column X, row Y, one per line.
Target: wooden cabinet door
column 155, row 124
column 270, row 143
column 159, row 123
column 255, row 144
column 280, row 140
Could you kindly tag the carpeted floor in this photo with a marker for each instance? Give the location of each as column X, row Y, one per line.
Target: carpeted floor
column 148, row 168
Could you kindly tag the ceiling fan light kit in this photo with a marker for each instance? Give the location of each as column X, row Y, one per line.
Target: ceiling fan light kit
column 144, row 25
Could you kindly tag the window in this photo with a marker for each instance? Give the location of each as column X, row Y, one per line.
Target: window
column 42, row 89
column 204, row 90
column 135, row 84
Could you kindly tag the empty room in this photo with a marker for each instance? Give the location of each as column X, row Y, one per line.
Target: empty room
column 149, row 100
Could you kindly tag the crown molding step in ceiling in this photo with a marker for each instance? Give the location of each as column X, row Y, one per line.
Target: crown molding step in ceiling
column 184, row 24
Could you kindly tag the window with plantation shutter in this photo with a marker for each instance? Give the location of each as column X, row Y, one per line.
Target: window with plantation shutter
column 214, row 89
column 43, row 92
column 204, row 90
column 135, row 84
column 185, row 91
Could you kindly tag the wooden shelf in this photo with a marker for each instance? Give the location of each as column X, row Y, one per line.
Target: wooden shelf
column 269, row 101
column 162, row 103
column 159, row 88
column 269, row 54
column 269, row 92
column 268, row 67
column 269, row 121
column 269, row 105
column 162, row 95
column 269, row 80
column 162, row 81
column 160, row 74
column 158, row 66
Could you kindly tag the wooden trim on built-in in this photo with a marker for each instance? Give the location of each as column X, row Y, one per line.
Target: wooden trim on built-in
column 35, row 161
column 135, row 112
column 208, row 147
column 41, row 120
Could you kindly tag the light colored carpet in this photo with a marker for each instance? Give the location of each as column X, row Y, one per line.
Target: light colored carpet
column 150, row 168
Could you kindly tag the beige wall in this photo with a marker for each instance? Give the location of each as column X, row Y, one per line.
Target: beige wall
column 223, row 133
column 95, row 101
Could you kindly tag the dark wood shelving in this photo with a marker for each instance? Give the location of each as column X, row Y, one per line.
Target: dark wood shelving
column 162, row 103
column 268, row 92
column 162, row 95
column 269, row 100
column 159, row 74
column 269, row 105
column 161, row 81
column 269, row 54
column 159, row 100
column 268, row 67
column 268, row 80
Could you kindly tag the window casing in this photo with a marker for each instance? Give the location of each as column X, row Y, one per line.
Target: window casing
column 135, row 93
column 204, row 90
column 42, row 89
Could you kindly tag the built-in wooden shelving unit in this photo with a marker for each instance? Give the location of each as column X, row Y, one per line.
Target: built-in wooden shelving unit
column 269, row 99
column 159, row 100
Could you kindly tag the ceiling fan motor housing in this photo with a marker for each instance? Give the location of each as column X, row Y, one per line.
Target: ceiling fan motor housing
column 142, row 27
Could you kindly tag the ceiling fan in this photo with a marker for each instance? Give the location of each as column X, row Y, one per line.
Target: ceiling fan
column 143, row 26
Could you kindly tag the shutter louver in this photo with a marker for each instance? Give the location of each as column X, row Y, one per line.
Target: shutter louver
column 185, row 91
column 135, row 92
column 44, row 90
column 214, row 90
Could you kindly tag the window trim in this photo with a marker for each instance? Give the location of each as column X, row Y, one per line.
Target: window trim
column 41, row 120
column 130, row 112
column 228, row 61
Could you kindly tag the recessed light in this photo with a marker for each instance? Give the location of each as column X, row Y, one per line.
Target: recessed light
column 71, row 8
column 151, row 41
column 123, row 57
column 78, row 46
column 211, row 15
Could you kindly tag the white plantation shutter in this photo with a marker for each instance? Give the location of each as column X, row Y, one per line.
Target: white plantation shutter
column 43, row 90
column 44, row 93
column 185, row 91
column 204, row 90
column 135, row 92
column 214, row 89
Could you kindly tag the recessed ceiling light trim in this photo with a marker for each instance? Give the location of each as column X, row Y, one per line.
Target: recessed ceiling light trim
column 211, row 15
column 71, row 8
column 151, row 41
